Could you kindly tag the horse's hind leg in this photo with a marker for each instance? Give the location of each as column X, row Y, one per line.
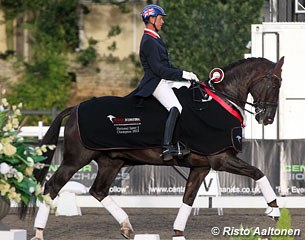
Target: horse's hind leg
column 107, row 172
column 194, row 181
column 229, row 162
column 53, row 186
column 73, row 160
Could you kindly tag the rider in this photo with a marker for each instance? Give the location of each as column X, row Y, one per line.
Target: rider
column 157, row 70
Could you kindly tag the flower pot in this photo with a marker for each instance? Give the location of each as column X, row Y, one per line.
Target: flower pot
column 4, row 209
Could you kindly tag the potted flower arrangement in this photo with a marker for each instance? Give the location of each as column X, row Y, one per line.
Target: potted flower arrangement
column 18, row 159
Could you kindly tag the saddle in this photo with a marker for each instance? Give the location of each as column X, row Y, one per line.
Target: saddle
column 108, row 123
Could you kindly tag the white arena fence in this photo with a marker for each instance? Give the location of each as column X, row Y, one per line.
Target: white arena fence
column 163, row 187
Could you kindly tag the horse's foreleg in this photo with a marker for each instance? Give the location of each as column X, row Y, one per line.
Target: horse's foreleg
column 272, row 210
column 107, row 172
column 194, row 181
column 229, row 162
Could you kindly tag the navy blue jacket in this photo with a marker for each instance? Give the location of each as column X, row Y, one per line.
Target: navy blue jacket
column 156, row 65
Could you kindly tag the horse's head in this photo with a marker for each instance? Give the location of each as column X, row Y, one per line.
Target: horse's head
column 266, row 94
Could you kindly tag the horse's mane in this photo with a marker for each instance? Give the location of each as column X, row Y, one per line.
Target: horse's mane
column 258, row 60
column 244, row 69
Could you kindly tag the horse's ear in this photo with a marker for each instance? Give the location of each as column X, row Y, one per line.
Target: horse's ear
column 278, row 66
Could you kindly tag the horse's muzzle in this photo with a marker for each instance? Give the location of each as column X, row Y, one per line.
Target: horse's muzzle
column 264, row 119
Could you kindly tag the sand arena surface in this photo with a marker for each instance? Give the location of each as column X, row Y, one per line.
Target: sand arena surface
column 97, row 224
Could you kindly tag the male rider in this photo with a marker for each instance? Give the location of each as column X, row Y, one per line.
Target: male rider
column 157, row 70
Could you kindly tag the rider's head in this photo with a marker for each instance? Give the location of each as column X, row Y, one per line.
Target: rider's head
column 152, row 16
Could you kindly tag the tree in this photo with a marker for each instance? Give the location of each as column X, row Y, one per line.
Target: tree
column 202, row 35
column 53, row 32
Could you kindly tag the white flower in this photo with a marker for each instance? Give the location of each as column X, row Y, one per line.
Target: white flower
column 43, row 148
column 52, row 147
column 38, row 151
column 48, row 200
column 15, row 123
column 17, row 112
column 4, row 102
column 6, row 140
column 19, row 139
column 19, row 176
column 8, row 127
column 4, row 168
column 30, row 161
column 29, row 171
column 9, row 149
column 31, row 189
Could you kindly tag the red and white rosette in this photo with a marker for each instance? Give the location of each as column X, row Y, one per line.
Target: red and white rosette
column 216, row 75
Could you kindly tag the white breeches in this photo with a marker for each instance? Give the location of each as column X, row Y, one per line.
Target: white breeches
column 166, row 96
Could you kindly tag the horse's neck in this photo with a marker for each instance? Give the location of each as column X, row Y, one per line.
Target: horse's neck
column 238, row 81
column 235, row 89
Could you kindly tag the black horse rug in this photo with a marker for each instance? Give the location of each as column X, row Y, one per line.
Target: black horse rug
column 137, row 123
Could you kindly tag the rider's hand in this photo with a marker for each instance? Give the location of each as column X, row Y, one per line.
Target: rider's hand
column 189, row 76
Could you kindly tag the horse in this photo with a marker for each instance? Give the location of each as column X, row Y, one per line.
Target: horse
column 256, row 76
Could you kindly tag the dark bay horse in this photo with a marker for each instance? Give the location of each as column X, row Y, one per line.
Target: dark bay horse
column 257, row 76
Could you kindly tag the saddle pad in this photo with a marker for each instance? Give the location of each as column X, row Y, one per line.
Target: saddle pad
column 133, row 123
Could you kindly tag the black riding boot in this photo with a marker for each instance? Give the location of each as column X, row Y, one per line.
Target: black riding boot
column 169, row 149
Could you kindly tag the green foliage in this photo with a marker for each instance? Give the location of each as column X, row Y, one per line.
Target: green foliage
column 202, row 35
column 57, row 23
column 250, row 236
column 89, row 55
column 283, row 223
column 53, row 32
column 45, row 85
column 114, row 31
column 18, row 159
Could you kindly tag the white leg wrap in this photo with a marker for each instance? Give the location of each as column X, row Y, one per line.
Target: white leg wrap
column 42, row 216
column 118, row 213
column 267, row 191
column 178, row 238
column 182, row 217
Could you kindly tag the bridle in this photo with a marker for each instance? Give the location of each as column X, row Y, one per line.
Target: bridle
column 259, row 105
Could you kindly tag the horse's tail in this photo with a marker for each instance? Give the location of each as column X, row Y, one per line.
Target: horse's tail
column 51, row 138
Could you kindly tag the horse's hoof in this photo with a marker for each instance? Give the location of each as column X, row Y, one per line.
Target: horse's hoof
column 273, row 212
column 36, row 238
column 126, row 233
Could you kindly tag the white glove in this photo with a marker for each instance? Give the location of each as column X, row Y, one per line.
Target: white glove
column 189, row 76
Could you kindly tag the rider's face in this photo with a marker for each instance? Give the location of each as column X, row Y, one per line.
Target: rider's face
column 158, row 21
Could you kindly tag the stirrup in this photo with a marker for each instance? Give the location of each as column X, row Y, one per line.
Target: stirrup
column 174, row 151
